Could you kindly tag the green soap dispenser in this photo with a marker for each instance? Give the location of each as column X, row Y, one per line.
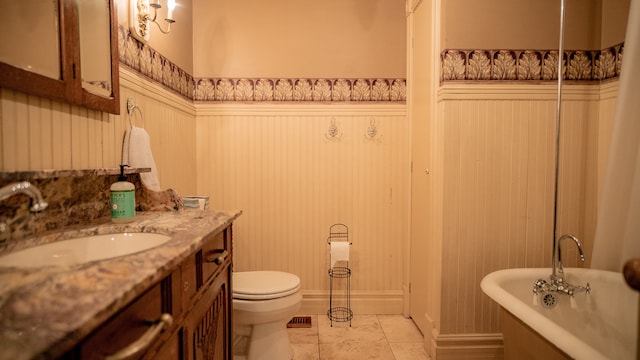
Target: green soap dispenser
column 123, row 199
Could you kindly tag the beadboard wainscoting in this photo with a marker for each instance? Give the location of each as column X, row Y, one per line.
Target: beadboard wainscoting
column 497, row 155
column 40, row 134
column 295, row 170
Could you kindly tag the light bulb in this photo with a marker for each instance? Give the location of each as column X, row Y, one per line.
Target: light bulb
column 171, row 4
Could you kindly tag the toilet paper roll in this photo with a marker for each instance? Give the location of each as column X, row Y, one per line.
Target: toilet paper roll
column 339, row 252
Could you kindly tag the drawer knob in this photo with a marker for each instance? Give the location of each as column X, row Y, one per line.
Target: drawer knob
column 218, row 257
column 145, row 340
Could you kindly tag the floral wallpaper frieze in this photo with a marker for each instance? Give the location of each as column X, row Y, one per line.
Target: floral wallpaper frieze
column 321, row 90
column 150, row 63
column 524, row 65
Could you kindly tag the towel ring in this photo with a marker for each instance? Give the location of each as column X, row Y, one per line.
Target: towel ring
column 131, row 106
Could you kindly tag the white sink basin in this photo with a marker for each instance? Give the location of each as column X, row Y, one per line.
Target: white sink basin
column 84, row 249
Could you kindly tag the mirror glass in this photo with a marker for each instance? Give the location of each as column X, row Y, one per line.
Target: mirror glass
column 95, row 46
column 30, row 39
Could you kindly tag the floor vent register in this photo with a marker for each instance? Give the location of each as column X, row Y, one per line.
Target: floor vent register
column 300, row 322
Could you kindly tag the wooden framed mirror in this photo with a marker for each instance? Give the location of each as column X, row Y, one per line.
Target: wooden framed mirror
column 65, row 50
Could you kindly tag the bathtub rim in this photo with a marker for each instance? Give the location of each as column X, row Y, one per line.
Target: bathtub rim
column 552, row 332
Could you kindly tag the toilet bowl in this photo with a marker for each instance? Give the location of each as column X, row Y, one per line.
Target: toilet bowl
column 263, row 303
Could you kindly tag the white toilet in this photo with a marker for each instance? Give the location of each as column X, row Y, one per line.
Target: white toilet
column 263, row 304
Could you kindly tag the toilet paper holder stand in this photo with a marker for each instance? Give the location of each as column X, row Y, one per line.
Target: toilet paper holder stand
column 339, row 308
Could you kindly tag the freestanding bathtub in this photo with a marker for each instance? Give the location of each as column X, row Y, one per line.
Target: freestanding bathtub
column 599, row 325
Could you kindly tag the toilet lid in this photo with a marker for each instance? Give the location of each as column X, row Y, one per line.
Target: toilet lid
column 254, row 285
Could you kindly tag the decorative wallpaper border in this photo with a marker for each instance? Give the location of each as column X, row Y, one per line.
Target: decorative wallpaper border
column 526, row 65
column 317, row 90
column 150, row 63
column 456, row 65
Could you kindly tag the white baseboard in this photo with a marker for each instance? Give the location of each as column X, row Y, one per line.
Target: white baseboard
column 362, row 302
column 467, row 347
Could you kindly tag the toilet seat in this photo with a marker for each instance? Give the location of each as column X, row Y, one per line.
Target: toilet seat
column 264, row 285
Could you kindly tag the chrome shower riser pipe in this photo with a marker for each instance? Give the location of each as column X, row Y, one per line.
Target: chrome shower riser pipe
column 558, row 126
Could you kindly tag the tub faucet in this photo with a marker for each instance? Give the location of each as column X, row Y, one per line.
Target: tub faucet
column 557, row 271
column 557, row 283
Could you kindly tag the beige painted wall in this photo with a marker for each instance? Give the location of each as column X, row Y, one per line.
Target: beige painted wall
column 520, row 24
column 615, row 15
column 305, row 38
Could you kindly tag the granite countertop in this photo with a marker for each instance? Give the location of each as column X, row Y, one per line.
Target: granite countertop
column 45, row 311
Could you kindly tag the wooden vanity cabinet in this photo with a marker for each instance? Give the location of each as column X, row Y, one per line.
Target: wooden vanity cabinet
column 207, row 327
column 197, row 294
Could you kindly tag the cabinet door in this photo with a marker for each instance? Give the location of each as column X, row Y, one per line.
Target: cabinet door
column 189, row 276
column 171, row 349
column 208, row 326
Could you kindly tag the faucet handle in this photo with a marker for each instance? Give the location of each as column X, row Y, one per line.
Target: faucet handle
column 37, row 206
column 540, row 286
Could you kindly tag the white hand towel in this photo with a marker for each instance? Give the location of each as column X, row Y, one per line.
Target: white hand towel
column 136, row 152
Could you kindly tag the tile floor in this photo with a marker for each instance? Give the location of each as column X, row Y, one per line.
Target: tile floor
column 391, row 337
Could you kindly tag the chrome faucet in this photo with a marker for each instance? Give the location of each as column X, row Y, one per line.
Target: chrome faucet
column 557, row 272
column 557, row 284
column 25, row 187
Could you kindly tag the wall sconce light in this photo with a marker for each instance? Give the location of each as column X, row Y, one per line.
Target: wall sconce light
column 144, row 12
